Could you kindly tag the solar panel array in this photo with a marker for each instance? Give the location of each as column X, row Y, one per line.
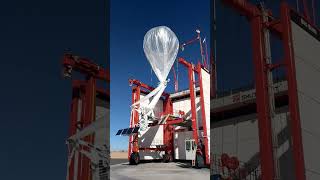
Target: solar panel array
column 127, row 131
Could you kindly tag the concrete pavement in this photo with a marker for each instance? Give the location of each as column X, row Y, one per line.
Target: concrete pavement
column 157, row 171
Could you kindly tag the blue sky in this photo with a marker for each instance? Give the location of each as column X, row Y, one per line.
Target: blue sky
column 129, row 24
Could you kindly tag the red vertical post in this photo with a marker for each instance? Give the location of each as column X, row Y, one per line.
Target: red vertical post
column 293, row 95
column 73, row 121
column 92, row 114
column 262, row 103
column 89, row 116
column 203, row 115
column 133, row 95
column 81, row 160
column 213, row 77
column 193, row 104
column 192, row 97
column 306, row 10
column 167, row 128
column 133, row 139
column 84, row 66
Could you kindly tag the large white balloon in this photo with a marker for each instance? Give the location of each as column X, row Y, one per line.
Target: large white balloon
column 161, row 47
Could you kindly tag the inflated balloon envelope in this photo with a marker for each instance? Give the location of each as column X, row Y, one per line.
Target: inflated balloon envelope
column 161, row 47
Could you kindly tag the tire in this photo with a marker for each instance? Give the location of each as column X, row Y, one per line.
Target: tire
column 199, row 161
column 134, row 159
column 166, row 158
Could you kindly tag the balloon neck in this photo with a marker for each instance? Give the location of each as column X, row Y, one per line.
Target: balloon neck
column 165, row 82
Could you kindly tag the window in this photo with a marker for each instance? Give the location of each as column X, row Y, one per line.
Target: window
column 188, row 145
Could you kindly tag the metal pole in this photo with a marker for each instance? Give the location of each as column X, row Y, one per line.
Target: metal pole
column 261, row 81
column 215, row 44
column 192, row 97
column 297, row 148
column 203, row 115
column 272, row 108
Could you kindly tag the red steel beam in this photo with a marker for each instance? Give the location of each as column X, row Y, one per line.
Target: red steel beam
column 190, row 41
column 297, row 143
column 168, row 128
column 253, row 13
column 306, row 10
column 89, row 116
column 243, row 7
column 203, row 115
column 262, row 96
column 197, row 38
column 133, row 139
column 175, row 121
column 78, row 87
column 213, row 77
column 82, row 160
column 192, row 96
column 88, row 86
column 275, row 26
column 145, row 86
column 85, row 66
column 73, row 121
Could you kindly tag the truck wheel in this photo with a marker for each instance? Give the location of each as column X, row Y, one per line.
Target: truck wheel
column 199, row 161
column 134, row 158
column 166, row 158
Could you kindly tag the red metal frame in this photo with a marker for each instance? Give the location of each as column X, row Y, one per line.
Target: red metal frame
column 168, row 129
column 84, row 90
column 293, row 94
column 282, row 29
column 198, row 38
column 88, row 110
column 133, row 139
column 213, row 78
column 85, row 66
column 262, row 94
column 73, row 118
column 137, row 89
column 203, row 115
column 191, row 70
column 306, row 10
